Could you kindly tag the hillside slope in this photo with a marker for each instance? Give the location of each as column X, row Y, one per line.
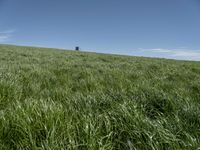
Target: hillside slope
column 54, row 99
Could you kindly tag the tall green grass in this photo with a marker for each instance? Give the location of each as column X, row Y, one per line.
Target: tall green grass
column 56, row 99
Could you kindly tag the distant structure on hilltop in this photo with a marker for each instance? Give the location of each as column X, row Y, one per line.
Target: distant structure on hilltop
column 77, row 48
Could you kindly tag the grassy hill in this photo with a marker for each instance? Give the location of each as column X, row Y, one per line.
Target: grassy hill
column 56, row 99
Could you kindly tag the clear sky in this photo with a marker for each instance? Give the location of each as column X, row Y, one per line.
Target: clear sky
column 155, row 28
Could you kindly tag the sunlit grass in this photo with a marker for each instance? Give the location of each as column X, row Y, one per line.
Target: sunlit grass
column 56, row 99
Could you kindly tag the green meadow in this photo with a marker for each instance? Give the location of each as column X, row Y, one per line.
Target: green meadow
column 54, row 99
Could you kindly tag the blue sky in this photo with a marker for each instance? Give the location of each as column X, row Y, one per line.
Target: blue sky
column 153, row 28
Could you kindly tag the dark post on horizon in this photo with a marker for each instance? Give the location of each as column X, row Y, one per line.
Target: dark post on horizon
column 77, row 48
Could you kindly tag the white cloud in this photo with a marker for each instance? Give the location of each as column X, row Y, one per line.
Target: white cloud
column 6, row 35
column 4, row 38
column 158, row 50
column 185, row 54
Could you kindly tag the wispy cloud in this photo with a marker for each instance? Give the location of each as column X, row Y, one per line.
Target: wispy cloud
column 6, row 35
column 186, row 54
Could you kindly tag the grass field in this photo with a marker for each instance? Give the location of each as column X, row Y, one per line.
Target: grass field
column 56, row 99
